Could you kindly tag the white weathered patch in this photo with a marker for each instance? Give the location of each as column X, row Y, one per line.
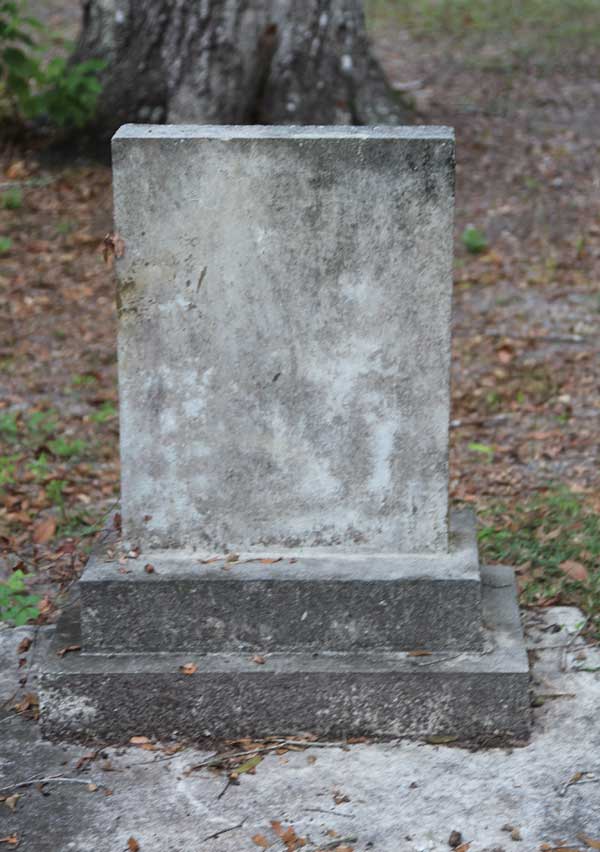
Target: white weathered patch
column 346, row 63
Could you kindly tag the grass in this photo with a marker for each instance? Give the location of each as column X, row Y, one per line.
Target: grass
column 540, row 26
column 454, row 17
column 550, row 539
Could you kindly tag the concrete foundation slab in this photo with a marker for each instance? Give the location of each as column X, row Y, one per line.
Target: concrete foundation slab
column 388, row 797
column 298, row 602
column 387, row 694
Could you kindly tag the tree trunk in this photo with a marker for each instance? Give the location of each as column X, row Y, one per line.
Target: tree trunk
column 235, row 62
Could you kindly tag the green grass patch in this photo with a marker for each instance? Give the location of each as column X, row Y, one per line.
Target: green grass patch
column 106, row 412
column 12, row 199
column 522, row 29
column 554, row 541
column 17, row 606
column 65, row 449
column 454, row 17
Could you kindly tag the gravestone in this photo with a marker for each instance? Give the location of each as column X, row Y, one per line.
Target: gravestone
column 284, row 300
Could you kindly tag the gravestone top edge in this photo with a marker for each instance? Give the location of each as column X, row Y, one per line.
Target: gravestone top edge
column 297, row 132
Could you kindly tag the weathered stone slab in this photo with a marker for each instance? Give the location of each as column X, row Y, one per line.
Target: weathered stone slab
column 470, row 695
column 337, row 603
column 284, row 305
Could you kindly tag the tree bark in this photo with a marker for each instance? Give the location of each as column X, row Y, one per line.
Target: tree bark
column 235, row 62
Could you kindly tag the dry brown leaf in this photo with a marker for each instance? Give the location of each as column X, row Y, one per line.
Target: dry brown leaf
column 419, row 653
column 505, row 354
column 17, row 170
column 339, row 798
column 260, row 661
column 574, row 570
column 44, row 531
column 67, row 650
column 11, row 839
column 24, row 645
column 464, row 847
column 260, row 840
column 114, row 246
column 589, row 841
column 133, row 845
column 11, row 801
column 149, row 569
column 268, row 561
column 139, row 740
column 188, row 668
column 92, row 787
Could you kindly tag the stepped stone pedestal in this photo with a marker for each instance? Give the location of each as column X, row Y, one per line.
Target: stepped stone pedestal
column 284, row 302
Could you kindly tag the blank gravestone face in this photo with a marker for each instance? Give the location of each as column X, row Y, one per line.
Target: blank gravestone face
column 284, row 303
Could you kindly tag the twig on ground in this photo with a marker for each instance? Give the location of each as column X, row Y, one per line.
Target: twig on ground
column 221, row 757
column 570, row 643
column 223, row 831
column 339, row 841
column 52, row 779
column 329, row 813
column 436, row 661
column 578, row 778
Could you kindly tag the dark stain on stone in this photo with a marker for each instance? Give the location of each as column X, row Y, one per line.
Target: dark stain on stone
column 201, row 278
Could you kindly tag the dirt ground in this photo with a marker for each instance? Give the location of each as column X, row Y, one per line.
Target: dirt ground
column 526, row 383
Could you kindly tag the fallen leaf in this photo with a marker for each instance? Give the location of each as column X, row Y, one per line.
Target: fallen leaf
column 574, row 570
column 247, row 766
column 17, row 170
column 419, row 653
column 260, row 661
column 505, row 354
column 589, row 841
column 440, row 739
column 455, row 839
column 515, row 834
column 67, row 650
column 44, row 531
column 149, row 569
column 114, row 246
column 12, row 840
column 11, row 801
column 268, row 561
column 188, row 668
column 339, row 798
column 260, row 840
column 24, row 645
column 133, row 845
column 464, row 847
column 92, row 787
column 139, row 740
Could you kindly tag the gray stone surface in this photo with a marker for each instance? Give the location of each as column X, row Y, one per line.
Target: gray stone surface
column 391, row 797
column 391, row 694
column 284, row 305
column 337, row 603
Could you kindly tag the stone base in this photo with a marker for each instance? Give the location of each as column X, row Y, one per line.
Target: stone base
column 291, row 603
column 473, row 695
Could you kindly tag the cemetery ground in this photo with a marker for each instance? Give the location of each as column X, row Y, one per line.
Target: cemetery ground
column 524, row 453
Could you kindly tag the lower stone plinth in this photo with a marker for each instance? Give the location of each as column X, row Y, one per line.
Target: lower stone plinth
column 292, row 603
column 472, row 696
